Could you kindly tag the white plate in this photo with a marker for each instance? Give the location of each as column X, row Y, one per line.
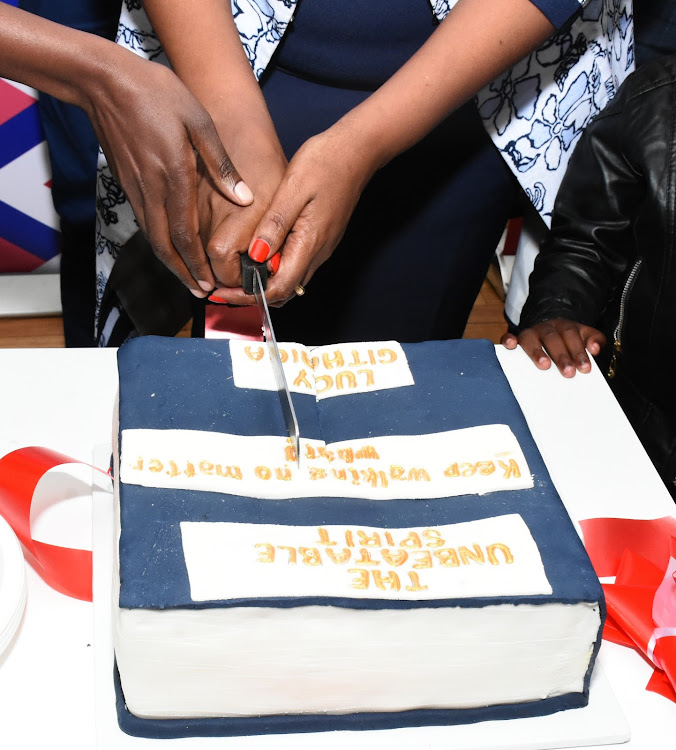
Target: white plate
column 12, row 584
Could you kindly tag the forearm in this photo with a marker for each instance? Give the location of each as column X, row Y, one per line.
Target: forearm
column 472, row 46
column 205, row 51
column 52, row 58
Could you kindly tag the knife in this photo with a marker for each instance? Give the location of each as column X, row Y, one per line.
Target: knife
column 254, row 281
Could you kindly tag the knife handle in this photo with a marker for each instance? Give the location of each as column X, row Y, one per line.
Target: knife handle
column 248, row 265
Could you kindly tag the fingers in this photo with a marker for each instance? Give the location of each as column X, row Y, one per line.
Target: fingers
column 509, row 341
column 204, row 138
column 563, row 342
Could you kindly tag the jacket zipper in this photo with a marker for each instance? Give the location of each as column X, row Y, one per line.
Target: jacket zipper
column 617, row 333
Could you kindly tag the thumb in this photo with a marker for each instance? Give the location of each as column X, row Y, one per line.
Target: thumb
column 227, row 180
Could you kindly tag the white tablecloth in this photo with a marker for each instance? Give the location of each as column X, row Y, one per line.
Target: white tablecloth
column 63, row 399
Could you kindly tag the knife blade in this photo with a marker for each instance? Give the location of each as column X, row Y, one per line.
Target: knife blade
column 254, row 279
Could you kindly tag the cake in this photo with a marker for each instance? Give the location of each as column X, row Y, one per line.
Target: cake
column 413, row 566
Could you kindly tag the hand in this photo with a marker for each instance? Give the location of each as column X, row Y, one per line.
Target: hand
column 226, row 229
column 563, row 340
column 309, row 212
column 155, row 134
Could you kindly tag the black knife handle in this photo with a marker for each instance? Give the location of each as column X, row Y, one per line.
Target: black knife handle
column 247, row 266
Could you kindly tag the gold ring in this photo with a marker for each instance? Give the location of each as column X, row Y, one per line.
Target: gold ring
column 300, row 290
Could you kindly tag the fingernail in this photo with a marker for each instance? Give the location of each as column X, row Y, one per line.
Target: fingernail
column 217, row 300
column 243, row 192
column 199, row 293
column 274, row 262
column 259, row 250
column 206, row 285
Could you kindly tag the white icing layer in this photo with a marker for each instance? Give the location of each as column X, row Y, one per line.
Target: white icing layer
column 488, row 557
column 323, row 371
column 252, row 661
column 475, row 460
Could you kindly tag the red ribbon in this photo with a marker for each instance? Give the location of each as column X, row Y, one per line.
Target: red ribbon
column 642, row 602
column 65, row 569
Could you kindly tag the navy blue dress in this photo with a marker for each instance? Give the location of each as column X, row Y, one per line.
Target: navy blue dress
column 419, row 243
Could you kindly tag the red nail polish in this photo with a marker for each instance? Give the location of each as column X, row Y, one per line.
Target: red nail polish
column 217, row 300
column 259, row 250
column 274, row 262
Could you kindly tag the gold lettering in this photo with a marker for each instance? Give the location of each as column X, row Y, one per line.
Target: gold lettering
column 369, row 376
column 491, row 549
column 335, row 361
column 345, row 375
column 423, row 560
column 206, row 467
column 390, row 578
column 369, row 540
column 324, row 537
column 362, row 579
column 284, row 474
column 397, row 472
column 466, row 554
column 155, row 465
column 340, row 558
column 467, row 470
column 326, row 379
column 317, row 473
column 395, row 557
column 356, row 359
column 386, row 356
column 415, row 475
column 452, row 471
column 433, row 537
column 267, row 554
column 511, row 469
column 138, row 466
column 365, row 558
column 486, row 468
column 258, row 354
column 262, row 472
column 292, row 554
column 173, row 470
column 230, row 472
column 447, row 557
column 311, row 555
column 415, row 582
column 302, row 379
column 348, row 538
column 388, row 539
column 346, row 454
column 311, row 363
column 368, row 452
column 412, row 541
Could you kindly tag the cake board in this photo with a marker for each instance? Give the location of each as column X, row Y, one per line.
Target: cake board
column 599, row 723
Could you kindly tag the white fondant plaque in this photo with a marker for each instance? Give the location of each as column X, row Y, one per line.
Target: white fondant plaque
column 323, row 371
column 489, row 557
column 475, row 460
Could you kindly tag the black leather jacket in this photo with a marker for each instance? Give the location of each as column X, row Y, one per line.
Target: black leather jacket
column 610, row 259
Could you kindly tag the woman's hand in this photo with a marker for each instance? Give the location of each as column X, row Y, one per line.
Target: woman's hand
column 308, row 214
column 156, row 135
column 226, row 229
column 559, row 340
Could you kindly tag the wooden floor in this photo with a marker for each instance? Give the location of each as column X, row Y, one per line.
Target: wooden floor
column 486, row 322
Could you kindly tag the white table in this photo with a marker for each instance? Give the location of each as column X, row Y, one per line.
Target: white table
column 63, row 399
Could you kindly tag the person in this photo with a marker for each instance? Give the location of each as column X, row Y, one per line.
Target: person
column 73, row 150
column 156, row 135
column 363, row 130
column 604, row 282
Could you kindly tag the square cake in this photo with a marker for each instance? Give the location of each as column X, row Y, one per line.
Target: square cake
column 413, row 566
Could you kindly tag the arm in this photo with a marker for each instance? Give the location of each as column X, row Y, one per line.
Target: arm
column 585, row 258
column 474, row 43
column 146, row 121
column 205, row 51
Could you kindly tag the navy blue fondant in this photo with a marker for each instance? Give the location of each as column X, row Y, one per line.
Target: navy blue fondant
column 187, row 384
